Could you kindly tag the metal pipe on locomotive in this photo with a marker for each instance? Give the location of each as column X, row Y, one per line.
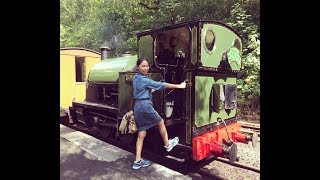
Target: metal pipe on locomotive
column 205, row 53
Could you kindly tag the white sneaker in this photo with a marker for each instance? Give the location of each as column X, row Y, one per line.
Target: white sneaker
column 172, row 142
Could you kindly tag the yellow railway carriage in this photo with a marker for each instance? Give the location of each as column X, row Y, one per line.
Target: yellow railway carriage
column 75, row 64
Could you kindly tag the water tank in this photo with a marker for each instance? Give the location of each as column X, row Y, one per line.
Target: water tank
column 107, row 71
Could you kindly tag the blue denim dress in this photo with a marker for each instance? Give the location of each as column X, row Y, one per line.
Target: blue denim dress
column 144, row 113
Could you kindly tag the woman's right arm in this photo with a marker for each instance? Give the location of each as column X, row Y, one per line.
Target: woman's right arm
column 179, row 86
column 151, row 84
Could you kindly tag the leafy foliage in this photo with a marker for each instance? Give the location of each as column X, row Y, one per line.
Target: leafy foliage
column 245, row 19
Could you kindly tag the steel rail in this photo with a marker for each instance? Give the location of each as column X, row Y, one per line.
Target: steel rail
column 238, row 164
column 249, row 125
column 250, row 132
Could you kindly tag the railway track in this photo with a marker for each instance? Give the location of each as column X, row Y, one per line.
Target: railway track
column 250, row 128
column 206, row 173
column 249, row 125
column 238, row 164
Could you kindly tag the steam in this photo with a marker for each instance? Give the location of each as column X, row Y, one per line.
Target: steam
column 115, row 41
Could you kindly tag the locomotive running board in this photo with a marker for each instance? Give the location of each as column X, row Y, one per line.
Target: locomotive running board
column 180, row 159
column 177, row 159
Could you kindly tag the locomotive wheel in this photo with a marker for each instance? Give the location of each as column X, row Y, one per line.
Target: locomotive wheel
column 105, row 131
column 128, row 138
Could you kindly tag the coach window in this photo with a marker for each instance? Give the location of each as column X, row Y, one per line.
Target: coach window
column 80, row 69
column 209, row 41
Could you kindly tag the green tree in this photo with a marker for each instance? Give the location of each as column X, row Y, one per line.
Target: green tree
column 245, row 19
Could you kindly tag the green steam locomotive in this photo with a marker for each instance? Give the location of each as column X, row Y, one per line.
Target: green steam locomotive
column 207, row 55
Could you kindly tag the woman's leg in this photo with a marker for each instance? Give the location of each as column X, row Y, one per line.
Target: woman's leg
column 139, row 145
column 163, row 132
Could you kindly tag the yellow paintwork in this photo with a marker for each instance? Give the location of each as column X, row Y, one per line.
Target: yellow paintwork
column 69, row 88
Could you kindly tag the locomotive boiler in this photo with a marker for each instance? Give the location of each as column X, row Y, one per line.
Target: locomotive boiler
column 205, row 54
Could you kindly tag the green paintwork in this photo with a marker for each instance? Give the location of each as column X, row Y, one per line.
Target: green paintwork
column 107, row 71
column 145, row 46
column 203, row 85
column 224, row 40
column 125, row 94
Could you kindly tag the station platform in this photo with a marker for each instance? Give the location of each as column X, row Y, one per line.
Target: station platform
column 85, row 157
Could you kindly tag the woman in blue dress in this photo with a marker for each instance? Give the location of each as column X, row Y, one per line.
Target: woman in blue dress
column 144, row 113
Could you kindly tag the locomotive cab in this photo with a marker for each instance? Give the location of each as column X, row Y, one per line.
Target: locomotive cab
column 171, row 55
column 168, row 52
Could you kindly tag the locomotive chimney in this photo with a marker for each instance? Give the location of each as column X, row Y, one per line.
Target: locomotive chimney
column 105, row 51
